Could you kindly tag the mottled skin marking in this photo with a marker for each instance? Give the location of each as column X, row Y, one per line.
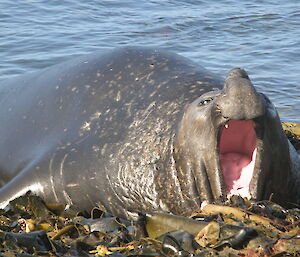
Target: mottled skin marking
column 123, row 131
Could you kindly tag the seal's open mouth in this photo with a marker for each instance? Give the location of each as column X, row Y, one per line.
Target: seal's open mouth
column 237, row 149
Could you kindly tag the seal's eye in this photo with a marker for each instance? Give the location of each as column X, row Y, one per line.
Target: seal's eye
column 205, row 101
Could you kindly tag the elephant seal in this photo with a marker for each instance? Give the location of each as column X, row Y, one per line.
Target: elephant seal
column 139, row 129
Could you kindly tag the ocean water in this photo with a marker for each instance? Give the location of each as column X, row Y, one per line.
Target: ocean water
column 261, row 36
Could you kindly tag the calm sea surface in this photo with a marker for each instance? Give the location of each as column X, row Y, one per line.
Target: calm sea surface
column 261, row 36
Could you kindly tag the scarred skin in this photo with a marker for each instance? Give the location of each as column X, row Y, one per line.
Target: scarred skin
column 135, row 129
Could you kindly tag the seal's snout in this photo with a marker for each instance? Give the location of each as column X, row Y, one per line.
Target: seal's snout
column 240, row 101
column 240, row 105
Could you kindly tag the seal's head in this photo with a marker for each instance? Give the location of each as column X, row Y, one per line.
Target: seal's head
column 230, row 141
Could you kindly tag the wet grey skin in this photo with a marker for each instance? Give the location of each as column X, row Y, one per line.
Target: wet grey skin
column 135, row 129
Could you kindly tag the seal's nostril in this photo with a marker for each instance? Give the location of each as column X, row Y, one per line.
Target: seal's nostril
column 237, row 73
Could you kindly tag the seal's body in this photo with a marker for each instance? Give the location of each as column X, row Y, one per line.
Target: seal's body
column 139, row 129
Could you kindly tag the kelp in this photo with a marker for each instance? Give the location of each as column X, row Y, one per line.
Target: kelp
column 292, row 131
column 237, row 228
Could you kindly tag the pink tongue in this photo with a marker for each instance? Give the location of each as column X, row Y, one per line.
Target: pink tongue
column 237, row 171
column 237, row 155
